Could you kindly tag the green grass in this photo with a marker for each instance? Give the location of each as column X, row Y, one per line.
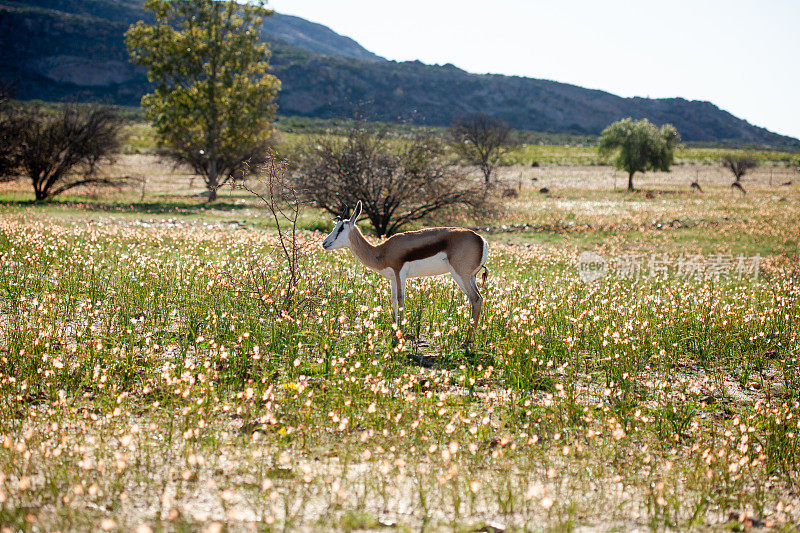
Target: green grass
column 139, row 138
column 548, row 154
column 586, row 154
column 141, row 382
column 539, row 148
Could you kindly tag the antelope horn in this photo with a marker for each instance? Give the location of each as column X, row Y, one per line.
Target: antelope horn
column 344, row 213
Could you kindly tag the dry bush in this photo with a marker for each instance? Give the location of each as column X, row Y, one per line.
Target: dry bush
column 739, row 164
column 269, row 183
column 481, row 140
column 63, row 150
column 398, row 181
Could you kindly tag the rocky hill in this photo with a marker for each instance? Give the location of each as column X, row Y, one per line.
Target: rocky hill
column 295, row 31
column 56, row 49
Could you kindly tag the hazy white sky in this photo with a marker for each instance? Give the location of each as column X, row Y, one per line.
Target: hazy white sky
column 742, row 55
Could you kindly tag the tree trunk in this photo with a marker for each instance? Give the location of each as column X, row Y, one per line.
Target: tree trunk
column 630, row 181
column 213, row 170
column 39, row 193
column 212, row 183
column 487, row 174
column 381, row 225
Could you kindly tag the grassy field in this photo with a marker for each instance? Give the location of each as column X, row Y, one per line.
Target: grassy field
column 151, row 377
column 576, row 154
column 538, row 148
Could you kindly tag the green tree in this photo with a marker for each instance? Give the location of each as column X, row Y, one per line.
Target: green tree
column 639, row 146
column 214, row 98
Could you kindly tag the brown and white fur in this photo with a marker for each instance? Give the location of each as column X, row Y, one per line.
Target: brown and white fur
column 428, row 252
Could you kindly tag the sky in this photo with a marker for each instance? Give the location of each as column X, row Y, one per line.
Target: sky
column 742, row 55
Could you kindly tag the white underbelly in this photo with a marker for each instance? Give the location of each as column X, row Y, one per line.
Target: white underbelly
column 430, row 266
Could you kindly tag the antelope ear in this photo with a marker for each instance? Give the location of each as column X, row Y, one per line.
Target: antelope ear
column 356, row 213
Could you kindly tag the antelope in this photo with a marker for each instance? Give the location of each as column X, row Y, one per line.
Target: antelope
column 413, row 254
column 738, row 186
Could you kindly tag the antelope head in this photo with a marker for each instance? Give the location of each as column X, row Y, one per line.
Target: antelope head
column 340, row 236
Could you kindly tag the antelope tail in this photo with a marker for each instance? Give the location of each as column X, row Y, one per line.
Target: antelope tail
column 485, row 275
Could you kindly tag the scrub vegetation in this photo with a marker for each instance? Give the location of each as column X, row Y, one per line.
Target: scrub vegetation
column 153, row 378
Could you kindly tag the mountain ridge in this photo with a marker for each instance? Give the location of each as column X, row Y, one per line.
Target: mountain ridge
column 314, row 37
column 327, row 75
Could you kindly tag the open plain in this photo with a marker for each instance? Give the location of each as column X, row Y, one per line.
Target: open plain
column 153, row 374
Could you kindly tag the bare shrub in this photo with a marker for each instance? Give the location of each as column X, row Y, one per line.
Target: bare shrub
column 269, row 183
column 64, row 150
column 399, row 181
column 481, row 140
column 739, row 164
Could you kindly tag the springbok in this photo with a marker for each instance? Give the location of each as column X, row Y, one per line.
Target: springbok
column 427, row 252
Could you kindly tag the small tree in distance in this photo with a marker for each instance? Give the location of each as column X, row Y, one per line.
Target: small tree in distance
column 214, row 97
column 481, row 141
column 61, row 151
column 739, row 164
column 639, row 146
column 398, row 182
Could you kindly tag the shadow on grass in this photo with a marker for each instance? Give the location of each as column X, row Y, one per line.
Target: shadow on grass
column 427, row 354
column 655, row 192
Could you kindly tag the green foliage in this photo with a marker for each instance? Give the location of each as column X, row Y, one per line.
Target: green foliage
column 214, row 97
column 639, row 146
